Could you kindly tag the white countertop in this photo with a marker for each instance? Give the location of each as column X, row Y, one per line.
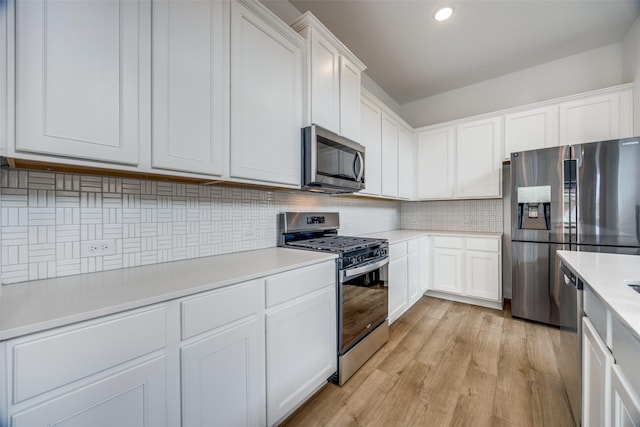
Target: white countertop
column 396, row 236
column 605, row 274
column 43, row 304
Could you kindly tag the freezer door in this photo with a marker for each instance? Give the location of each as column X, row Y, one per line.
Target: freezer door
column 608, row 194
column 539, row 292
column 535, row 169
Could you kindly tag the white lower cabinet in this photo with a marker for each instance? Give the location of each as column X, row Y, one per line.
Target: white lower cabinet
column 131, row 397
column 596, row 368
column 466, row 269
column 408, row 267
column 301, row 350
column 106, row 372
column 223, row 368
column 245, row 354
column 301, row 336
column 625, row 402
column 398, row 281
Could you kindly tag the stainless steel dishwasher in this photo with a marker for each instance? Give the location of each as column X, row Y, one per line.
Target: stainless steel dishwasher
column 569, row 352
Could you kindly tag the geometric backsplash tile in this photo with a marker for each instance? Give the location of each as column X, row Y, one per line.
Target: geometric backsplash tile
column 44, row 217
column 483, row 216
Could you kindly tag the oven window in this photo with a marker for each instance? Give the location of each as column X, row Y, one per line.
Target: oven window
column 337, row 161
column 364, row 305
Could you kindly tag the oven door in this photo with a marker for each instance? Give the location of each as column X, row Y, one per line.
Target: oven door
column 362, row 301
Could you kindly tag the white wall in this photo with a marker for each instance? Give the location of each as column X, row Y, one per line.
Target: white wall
column 583, row 72
column 283, row 10
column 631, row 67
column 378, row 92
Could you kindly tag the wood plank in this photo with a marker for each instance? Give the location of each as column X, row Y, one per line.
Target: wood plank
column 449, row 364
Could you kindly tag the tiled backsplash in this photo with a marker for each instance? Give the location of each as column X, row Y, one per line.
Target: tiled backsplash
column 455, row 215
column 45, row 215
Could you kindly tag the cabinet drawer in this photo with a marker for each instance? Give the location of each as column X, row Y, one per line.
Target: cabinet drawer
column 397, row 250
column 47, row 361
column 479, row 244
column 595, row 309
column 214, row 309
column 447, row 242
column 413, row 246
column 286, row 286
column 626, row 349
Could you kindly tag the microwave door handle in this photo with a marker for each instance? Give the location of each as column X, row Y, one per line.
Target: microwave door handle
column 360, row 160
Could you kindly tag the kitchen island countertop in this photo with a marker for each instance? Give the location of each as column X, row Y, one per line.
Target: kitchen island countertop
column 606, row 275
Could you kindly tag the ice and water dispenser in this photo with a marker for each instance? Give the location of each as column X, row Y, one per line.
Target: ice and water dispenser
column 534, row 208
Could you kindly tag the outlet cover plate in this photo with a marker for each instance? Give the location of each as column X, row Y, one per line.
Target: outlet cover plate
column 91, row 248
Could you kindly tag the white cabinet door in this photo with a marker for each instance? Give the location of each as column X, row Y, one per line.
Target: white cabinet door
column 325, row 83
column 479, row 159
column 435, row 164
column 590, row 119
column 406, row 159
column 301, row 350
column 447, row 270
column 398, row 288
column 625, row 401
column 530, row 130
column 481, row 273
column 223, row 377
column 413, row 271
column 190, row 86
column 424, row 265
column 133, row 397
column 596, row 368
column 266, row 97
column 79, row 74
column 349, row 100
column 389, row 156
column 371, row 128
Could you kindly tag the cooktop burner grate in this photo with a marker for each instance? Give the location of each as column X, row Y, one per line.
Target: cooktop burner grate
column 336, row 243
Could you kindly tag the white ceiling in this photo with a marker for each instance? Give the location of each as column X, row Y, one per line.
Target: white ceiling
column 411, row 56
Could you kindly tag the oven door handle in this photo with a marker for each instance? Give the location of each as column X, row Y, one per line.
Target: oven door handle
column 358, row 271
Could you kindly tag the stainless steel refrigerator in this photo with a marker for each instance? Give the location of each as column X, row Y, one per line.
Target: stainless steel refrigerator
column 584, row 197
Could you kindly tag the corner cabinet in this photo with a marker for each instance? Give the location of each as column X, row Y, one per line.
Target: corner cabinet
column 80, row 73
column 461, row 161
column 266, row 96
column 333, row 75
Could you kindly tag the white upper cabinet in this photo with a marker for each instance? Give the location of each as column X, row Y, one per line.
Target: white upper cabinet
column 325, row 82
column 190, row 86
column 333, row 73
column 371, row 128
column 435, row 167
column 596, row 118
column 406, row 159
column 266, row 93
column 389, row 156
column 350, row 76
column 530, row 130
column 478, row 159
column 79, row 76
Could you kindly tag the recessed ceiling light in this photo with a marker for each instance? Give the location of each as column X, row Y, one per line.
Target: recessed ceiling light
column 443, row 13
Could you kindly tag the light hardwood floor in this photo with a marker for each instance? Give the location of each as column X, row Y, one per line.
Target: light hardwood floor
column 450, row 364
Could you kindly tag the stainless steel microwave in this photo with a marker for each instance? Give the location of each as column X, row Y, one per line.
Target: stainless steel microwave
column 330, row 162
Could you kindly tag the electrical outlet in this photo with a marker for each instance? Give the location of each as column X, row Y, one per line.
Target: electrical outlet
column 89, row 248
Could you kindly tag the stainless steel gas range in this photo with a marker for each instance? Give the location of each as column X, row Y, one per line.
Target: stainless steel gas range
column 361, row 284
